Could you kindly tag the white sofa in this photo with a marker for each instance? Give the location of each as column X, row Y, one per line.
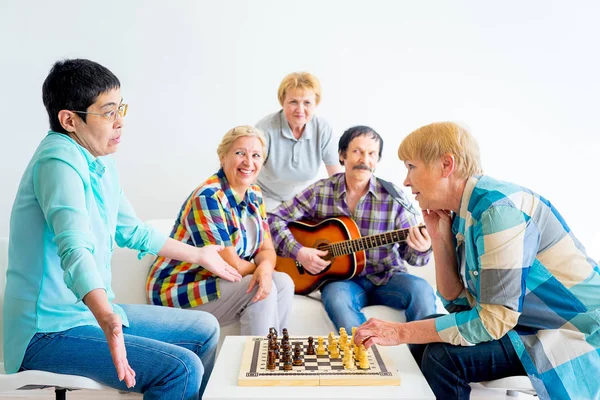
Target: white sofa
column 129, row 279
column 308, row 316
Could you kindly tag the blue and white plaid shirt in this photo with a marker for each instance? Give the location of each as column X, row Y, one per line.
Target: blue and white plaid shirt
column 526, row 275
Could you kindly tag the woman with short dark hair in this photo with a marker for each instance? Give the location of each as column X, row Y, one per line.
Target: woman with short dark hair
column 69, row 211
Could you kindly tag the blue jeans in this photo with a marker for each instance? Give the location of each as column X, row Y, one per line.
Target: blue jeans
column 171, row 350
column 449, row 369
column 344, row 300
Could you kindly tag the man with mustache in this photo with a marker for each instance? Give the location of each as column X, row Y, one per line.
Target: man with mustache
column 377, row 207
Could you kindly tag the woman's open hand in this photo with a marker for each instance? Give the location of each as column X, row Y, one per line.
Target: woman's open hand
column 209, row 258
column 112, row 326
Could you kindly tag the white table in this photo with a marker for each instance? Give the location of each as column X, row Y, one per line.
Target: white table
column 223, row 381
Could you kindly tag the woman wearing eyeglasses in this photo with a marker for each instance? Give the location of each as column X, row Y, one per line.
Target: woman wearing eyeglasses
column 298, row 142
column 228, row 210
column 68, row 212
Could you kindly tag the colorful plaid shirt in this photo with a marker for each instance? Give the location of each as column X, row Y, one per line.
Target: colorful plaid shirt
column 212, row 214
column 376, row 212
column 526, row 275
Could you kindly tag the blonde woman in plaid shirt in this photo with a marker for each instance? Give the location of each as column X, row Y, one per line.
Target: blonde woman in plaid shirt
column 521, row 291
column 228, row 210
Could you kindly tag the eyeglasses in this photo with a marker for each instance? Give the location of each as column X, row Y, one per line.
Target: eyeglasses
column 111, row 116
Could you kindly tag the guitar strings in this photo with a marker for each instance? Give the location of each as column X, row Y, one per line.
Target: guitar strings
column 362, row 243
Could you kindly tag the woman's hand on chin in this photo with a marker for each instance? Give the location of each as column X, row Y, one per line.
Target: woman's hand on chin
column 209, row 258
column 438, row 223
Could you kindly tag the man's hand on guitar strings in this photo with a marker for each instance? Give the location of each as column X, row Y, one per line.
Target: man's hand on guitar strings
column 418, row 238
column 311, row 259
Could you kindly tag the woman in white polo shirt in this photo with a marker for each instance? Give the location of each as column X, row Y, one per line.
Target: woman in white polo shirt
column 297, row 141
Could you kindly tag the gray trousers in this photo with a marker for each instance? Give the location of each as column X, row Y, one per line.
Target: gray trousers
column 255, row 318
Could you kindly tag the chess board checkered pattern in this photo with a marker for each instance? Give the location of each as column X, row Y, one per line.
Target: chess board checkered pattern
column 315, row 371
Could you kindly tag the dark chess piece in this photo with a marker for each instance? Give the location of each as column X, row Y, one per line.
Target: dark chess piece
column 310, row 350
column 285, row 334
column 286, row 350
column 287, row 365
column 297, row 355
column 271, row 360
column 274, row 346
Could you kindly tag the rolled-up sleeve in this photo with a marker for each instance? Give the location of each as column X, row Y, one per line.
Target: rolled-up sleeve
column 59, row 189
column 299, row 207
column 502, row 239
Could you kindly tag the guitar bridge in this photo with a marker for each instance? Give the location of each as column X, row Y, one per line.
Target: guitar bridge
column 299, row 267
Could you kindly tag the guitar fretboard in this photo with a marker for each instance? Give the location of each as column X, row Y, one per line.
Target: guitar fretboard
column 367, row 242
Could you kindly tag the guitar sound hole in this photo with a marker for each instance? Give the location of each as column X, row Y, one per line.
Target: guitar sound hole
column 324, row 246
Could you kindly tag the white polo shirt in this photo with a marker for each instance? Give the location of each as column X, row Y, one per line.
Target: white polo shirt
column 292, row 163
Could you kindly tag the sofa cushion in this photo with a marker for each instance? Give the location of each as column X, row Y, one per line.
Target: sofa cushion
column 308, row 316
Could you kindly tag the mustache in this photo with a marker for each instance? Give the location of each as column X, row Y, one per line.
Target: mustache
column 363, row 166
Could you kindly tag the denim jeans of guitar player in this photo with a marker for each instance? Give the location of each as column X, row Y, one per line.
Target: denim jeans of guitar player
column 343, row 300
column 171, row 350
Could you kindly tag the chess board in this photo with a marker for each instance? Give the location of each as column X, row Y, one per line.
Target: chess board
column 315, row 371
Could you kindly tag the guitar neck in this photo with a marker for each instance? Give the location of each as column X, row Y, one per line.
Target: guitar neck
column 368, row 242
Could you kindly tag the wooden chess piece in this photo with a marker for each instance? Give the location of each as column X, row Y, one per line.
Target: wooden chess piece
column 363, row 357
column 321, row 347
column 310, row 350
column 297, row 355
column 271, row 360
column 333, row 350
column 273, row 332
column 344, row 348
column 287, row 365
column 275, row 347
column 349, row 360
column 343, row 339
column 332, row 343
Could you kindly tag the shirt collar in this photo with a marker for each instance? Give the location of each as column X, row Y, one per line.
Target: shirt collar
column 95, row 164
column 458, row 225
column 340, row 186
column 232, row 196
column 287, row 131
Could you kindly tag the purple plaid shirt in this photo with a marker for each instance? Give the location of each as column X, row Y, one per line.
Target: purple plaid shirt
column 376, row 212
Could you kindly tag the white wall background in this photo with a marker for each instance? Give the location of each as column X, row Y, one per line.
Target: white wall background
column 522, row 74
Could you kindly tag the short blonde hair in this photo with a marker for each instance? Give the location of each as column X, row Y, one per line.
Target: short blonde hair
column 235, row 133
column 299, row 80
column 430, row 142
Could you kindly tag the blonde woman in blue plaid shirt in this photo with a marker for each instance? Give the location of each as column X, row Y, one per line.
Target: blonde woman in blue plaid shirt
column 521, row 291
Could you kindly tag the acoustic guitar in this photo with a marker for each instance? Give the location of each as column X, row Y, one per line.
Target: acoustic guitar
column 341, row 239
